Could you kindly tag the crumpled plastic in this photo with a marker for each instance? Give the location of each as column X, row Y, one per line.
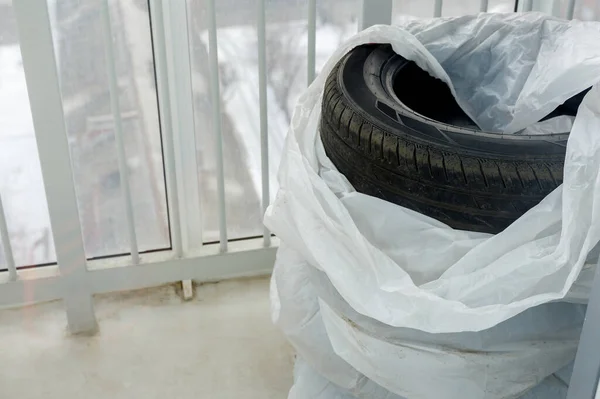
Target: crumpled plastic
column 405, row 270
column 508, row 71
column 308, row 384
column 363, row 358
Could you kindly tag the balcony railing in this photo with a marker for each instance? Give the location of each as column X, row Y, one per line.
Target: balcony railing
column 182, row 250
column 76, row 276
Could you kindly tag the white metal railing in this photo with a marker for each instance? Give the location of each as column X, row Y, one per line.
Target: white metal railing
column 6, row 247
column 167, row 132
column 181, row 99
column 261, row 26
column 37, row 48
column 437, row 9
column 483, row 7
column 312, row 41
column 76, row 279
column 216, row 97
column 116, row 112
column 570, row 9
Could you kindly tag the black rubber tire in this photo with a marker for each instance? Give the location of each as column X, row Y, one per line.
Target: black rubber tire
column 461, row 176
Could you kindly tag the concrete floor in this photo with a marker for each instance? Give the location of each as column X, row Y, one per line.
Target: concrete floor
column 151, row 345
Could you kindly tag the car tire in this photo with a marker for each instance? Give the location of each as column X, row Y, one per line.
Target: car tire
column 397, row 134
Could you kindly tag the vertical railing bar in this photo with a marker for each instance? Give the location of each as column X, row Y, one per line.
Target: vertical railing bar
column 374, row 13
column 555, row 8
column 264, row 127
column 570, row 9
column 159, row 43
column 43, row 87
column 8, row 253
column 437, row 8
column 113, row 89
column 483, row 6
column 216, row 103
column 179, row 70
column 527, row 5
column 550, row 7
column 312, row 39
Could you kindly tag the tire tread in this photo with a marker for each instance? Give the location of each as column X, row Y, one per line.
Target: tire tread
column 465, row 191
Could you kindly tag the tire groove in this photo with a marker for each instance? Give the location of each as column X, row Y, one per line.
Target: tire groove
column 462, row 168
column 536, row 177
column 520, row 177
column 362, row 123
column 328, row 90
column 485, row 181
column 444, row 166
column 334, row 106
column 429, row 162
column 514, row 206
column 415, row 158
column 552, row 176
column 339, row 121
column 350, row 123
column 500, row 173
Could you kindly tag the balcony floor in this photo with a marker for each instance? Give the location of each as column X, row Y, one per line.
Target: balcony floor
column 150, row 345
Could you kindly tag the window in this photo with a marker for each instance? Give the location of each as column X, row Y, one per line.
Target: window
column 238, row 68
column 450, row 8
column 585, row 10
column 78, row 32
column 79, row 37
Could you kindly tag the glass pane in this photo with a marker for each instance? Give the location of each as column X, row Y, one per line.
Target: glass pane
column 337, row 21
column 287, row 22
column 455, row 8
column 78, row 34
column 415, row 8
column 501, row 6
column 585, row 10
column 286, row 80
column 287, row 65
column 21, row 184
column 240, row 117
column 451, row 8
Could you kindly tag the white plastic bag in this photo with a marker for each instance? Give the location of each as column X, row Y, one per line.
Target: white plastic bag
column 308, row 384
column 510, row 70
column 295, row 310
column 395, row 363
column 408, row 270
